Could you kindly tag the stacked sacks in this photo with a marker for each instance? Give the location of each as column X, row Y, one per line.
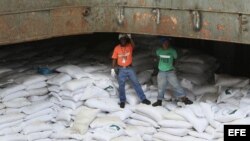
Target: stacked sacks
column 83, row 105
column 195, row 72
column 142, row 61
column 28, row 113
column 197, row 68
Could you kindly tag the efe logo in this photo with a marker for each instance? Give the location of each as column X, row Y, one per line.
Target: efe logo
column 237, row 132
column 240, row 132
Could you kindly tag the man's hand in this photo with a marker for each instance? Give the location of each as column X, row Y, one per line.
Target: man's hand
column 113, row 74
column 129, row 36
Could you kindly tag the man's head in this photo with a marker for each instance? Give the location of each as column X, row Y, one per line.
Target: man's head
column 123, row 39
column 165, row 42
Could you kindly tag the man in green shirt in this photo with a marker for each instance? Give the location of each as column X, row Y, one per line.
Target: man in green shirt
column 166, row 56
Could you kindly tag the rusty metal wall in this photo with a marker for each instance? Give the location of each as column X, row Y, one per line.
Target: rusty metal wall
column 221, row 20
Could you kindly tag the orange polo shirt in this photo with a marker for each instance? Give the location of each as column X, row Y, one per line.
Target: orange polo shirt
column 123, row 55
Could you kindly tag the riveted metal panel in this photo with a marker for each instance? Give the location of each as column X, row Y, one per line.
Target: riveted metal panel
column 34, row 25
column 221, row 20
column 66, row 21
column 9, row 25
column 9, row 5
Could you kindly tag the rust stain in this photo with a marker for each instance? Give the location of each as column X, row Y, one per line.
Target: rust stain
column 167, row 25
column 220, row 27
column 174, row 20
column 205, row 23
column 205, row 33
column 142, row 18
column 142, row 2
column 143, row 22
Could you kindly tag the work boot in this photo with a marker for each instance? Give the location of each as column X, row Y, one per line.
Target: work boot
column 157, row 103
column 186, row 101
column 122, row 104
column 147, row 102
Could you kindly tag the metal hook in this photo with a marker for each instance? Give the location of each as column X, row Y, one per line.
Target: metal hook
column 158, row 15
column 196, row 20
column 121, row 16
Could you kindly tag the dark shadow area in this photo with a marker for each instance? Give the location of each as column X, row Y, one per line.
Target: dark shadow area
column 234, row 58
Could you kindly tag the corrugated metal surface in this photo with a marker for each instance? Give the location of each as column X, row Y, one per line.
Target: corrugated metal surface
column 27, row 20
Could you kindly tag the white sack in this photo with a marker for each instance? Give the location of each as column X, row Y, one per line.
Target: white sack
column 30, row 79
column 209, row 114
column 54, row 88
column 230, row 81
column 39, row 135
column 132, row 130
column 11, row 88
column 199, row 124
column 200, row 90
column 191, row 138
column 104, row 121
column 149, row 111
column 175, row 124
column 11, row 130
column 76, row 84
column 73, row 71
column 38, row 98
column 10, row 118
column 108, row 132
column 197, row 58
column 124, row 114
column 94, row 92
column 38, row 92
column 9, row 124
column 197, row 110
column 14, row 137
column 43, row 112
column 83, row 118
column 2, row 106
column 144, row 77
column 91, row 69
column 36, row 107
column 66, row 134
column 14, row 95
column 17, row 103
column 37, row 85
column 173, row 116
column 37, row 127
column 166, row 137
column 104, row 104
column 64, row 115
column 147, row 137
column 200, row 135
column 59, row 79
column 144, row 118
column 44, row 118
column 137, row 123
column 127, row 138
column 175, row 131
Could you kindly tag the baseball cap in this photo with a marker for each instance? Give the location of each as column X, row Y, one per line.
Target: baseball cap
column 164, row 39
column 122, row 36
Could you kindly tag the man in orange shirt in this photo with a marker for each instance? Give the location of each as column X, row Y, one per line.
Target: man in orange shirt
column 122, row 58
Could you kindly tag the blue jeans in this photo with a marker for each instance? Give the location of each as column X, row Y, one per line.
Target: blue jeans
column 128, row 73
column 166, row 78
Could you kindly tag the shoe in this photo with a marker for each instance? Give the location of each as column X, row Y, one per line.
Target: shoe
column 122, row 104
column 157, row 103
column 186, row 101
column 147, row 102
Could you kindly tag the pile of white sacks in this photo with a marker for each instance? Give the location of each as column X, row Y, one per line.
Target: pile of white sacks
column 80, row 103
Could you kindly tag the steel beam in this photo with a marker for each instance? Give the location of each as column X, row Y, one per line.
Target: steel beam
column 220, row 20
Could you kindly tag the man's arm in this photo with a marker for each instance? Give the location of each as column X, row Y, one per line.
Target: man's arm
column 131, row 41
column 114, row 63
column 155, row 65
